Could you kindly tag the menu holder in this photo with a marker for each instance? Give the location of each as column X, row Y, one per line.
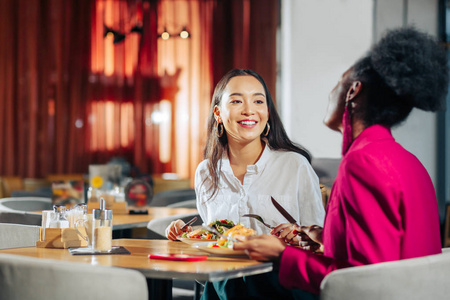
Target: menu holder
column 119, row 208
column 61, row 238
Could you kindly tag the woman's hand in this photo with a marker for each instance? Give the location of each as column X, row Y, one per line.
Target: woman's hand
column 262, row 247
column 174, row 229
column 310, row 238
column 285, row 232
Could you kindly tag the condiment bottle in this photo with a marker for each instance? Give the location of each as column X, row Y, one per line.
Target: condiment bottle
column 59, row 220
column 102, row 228
column 78, row 212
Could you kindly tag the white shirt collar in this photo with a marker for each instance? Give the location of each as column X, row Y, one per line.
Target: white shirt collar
column 251, row 169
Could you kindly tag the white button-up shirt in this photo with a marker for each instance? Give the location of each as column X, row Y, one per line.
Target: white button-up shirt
column 286, row 176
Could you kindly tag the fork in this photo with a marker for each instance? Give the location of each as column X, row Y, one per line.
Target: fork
column 188, row 223
column 259, row 218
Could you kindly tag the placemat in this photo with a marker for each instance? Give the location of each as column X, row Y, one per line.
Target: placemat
column 90, row 251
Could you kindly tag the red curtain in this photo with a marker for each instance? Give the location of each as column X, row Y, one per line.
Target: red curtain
column 44, row 69
column 185, row 68
column 63, row 109
column 125, row 84
column 245, row 37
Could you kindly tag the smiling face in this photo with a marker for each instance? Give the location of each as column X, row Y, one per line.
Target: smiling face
column 243, row 109
column 336, row 103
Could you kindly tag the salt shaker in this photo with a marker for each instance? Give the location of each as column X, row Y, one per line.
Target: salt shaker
column 59, row 220
column 102, row 228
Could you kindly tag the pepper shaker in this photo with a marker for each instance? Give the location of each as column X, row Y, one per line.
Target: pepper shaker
column 59, row 220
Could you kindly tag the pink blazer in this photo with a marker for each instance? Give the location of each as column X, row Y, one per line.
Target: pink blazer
column 382, row 207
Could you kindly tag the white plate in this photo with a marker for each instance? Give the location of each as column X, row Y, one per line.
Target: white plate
column 218, row 251
column 191, row 241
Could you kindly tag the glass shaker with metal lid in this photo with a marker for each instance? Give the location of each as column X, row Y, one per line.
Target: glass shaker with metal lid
column 102, row 228
column 59, row 220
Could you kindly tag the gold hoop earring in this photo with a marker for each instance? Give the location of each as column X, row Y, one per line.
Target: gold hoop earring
column 268, row 129
column 219, row 129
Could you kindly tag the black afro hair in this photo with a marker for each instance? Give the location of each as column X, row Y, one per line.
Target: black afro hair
column 414, row 66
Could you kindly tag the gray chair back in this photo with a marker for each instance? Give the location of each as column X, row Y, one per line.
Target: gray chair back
column 21, row 210
column 159, row 225
column 418, row 278
column 17, row 235
column 326, row 169
column 43, row 192
column 33, row 278
column 184, row 204
column 172, row 196
column 25, row 204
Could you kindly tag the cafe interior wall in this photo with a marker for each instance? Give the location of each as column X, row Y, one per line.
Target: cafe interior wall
column 319, row 41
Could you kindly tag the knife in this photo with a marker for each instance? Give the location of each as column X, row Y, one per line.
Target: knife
column 284, row 212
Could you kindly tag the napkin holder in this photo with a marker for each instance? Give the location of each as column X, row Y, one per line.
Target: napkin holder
column 61, row 238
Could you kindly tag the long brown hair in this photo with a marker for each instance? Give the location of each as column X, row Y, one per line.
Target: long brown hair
column 277, row 138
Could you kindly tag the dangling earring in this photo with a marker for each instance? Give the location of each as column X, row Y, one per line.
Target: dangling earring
column 347, row 128
column 268, row 128
column 219, row 129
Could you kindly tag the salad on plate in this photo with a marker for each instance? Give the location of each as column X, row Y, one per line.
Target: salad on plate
column 235, row 230
column 201, row 234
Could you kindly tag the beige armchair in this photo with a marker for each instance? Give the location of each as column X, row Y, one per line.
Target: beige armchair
column 418, row 278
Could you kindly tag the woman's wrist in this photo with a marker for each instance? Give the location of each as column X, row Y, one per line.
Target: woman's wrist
column 277, row 260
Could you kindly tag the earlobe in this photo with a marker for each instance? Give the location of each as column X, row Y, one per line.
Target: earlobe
column 217, row 113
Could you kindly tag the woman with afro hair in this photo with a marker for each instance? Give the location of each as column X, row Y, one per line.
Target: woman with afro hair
column 382, row 205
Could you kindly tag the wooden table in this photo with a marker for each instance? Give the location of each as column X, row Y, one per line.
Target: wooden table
column 159, row 273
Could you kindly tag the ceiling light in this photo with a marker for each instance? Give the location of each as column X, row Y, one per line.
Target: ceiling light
column 165, row 35
column 184, row 34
